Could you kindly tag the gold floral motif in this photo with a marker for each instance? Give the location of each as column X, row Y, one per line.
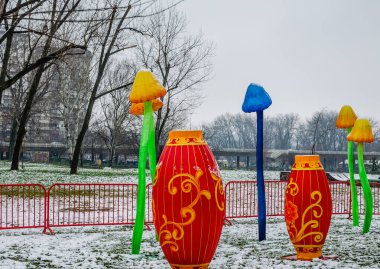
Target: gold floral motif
column 291, row 212
column 158, row 167
column 308, row 252
column 308, row 248
column 292, row 187
column 171, row 236
column 317, row 212
column 315, row 165
column 218, row 188
column 186, row 141
column 187, row 212
column 153, row 211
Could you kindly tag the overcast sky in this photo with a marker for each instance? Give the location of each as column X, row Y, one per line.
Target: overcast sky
column 308, row 55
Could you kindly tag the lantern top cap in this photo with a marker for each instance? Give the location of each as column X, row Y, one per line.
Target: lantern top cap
column 256, row 99
column 361, row 132
column 138, row 108
column 185, row 138
column 146, row 87
column 186, row 134
column 346, row 118
column 306, row 158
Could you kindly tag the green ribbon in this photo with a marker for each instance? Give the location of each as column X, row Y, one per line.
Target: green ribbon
column 354, row 195
column 152, row 149
column 141, row 188
column 368, row 201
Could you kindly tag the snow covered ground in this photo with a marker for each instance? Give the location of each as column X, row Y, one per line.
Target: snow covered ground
column 110, row 247
column 46, row 175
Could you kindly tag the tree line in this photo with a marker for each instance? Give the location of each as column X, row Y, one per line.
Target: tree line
column 76, row 59
column 283, row 131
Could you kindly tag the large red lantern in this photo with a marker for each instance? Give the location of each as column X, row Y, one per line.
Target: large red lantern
column 308, row 207
column 188, row 201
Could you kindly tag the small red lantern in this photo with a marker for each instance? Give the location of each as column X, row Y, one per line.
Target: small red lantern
column 188, row 201
column 308, row 207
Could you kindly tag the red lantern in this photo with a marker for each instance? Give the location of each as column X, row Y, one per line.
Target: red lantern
column 308, row 207
column 188, row 201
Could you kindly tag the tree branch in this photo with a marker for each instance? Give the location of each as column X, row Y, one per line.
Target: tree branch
column 38, row 63
column 112, row 90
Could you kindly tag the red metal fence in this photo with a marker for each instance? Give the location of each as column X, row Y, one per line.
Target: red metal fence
column 22, row 206
column 80, row 204
column 91, row 204
column 242, row 203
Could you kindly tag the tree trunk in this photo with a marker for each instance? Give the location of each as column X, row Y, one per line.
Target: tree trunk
column 24, row 118
column 112, row 153
column 82, row 133
column 12, row 140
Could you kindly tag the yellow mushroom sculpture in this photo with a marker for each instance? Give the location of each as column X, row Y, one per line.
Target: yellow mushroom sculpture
column 362, row 133
column 145, row 93
column 346, row 120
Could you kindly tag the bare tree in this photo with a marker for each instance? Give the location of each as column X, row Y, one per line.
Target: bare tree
column 12, row 14
column 115, row 110
column 73, row 94
column 109, row 42
column 60, row 12
column 15, row 97
column 320, row 133
column 283, row 130
column 223, row 132
column 181, row 62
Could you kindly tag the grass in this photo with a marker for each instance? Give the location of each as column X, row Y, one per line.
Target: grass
column 48, row 174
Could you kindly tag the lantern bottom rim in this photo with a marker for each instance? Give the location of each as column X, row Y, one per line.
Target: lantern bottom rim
column 309, row 255
column 189, row 266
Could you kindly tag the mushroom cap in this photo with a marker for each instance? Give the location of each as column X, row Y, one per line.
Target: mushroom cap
column 138, row 108
column 361, row 132
column 346, row 118
column 256, row 99
column 146, row 87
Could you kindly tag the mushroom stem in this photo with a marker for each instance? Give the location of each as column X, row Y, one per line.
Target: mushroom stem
column 260, row 176
column 354, row 195
column 152, row 153
column 152, row 150
column 368, row 201
column 141, row 189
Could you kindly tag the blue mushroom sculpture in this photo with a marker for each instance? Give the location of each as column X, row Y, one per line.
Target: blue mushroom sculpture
column 257, row 100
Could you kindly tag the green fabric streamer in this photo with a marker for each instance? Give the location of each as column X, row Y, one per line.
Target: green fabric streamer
column 152, row 149
column 141, row 189
column 354, row 195
column 152, row 154
column 368, row 201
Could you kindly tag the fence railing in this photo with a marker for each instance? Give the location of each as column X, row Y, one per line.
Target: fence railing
column 22, row 206
column 242, row 203
column 91, row 204
column 82, row 204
